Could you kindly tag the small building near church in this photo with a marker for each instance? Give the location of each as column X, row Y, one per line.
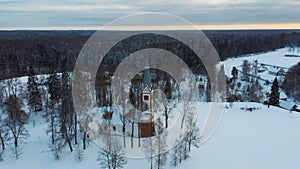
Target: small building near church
column 277, row 71
column 287, row 105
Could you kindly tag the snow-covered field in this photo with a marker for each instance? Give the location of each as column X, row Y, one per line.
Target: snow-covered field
column 276, row 58
column 267, row 138
column 266, row 61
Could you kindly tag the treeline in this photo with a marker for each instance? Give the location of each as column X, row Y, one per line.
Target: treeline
column 41, row 52
column 233, row 44
column 291, row 83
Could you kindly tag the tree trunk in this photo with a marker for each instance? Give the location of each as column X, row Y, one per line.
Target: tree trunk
column 2, row 141
column 69, row 141
column 167, row 117
column 182, row 120
column 16, row 142
column 151, row 167
column 123, row 130
column 52, row 129
column 132, row 133
column 84, row 140
column 75, row 132
column 190, row 140
column 70, row 144
column 158, row 161
column 139, row 133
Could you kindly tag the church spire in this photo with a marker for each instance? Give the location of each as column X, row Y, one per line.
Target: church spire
column 147, row 78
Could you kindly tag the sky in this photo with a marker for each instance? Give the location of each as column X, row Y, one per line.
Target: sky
column 206, row 14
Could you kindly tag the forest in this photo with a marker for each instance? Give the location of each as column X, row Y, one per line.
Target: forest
column 42, row 52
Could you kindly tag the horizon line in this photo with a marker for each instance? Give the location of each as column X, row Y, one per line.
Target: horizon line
column 272, row 26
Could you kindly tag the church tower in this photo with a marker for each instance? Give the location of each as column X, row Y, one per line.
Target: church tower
column 147, row 93
column 147, row 128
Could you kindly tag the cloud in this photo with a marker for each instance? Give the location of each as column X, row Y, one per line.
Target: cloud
column 34, row 13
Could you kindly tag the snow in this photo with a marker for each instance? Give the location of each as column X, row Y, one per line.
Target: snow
column 286, row 105
column 283, row 95
column 276, row 58
column 266, row 138
column 265, row 61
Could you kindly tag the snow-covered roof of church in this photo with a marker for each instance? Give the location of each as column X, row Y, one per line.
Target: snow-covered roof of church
column 147, row 78
column 134, row 114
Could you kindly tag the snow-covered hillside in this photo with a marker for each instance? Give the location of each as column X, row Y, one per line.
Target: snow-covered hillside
column 267, row 138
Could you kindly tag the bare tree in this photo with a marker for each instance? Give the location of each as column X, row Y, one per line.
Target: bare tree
column 58, row 145
column 174, row 157
column 193, row 132
column 67, row 123
column 119, row 98
column 111, row 155
column 221, row 83
column 79, row 153
column 187, row 97
column 148, row 147
column 178, row 152
column 15, row 121
column 3, row 130
column 160, row 145
column 84, row 105
column 12, row 86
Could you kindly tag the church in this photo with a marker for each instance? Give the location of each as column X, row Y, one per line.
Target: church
column 147, row 127
column 144, row 116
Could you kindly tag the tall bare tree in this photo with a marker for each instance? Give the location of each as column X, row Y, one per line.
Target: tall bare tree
column 111, row 155
column 15, row 121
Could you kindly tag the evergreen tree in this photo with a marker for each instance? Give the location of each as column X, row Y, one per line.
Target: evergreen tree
column 246, row 70
column 234, row 73
column 54, row 87
column 255, row 68
column 274, row 96
column 168, row 89
column 34, row 94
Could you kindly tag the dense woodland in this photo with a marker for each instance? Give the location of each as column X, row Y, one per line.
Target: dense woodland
column 41, row 52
